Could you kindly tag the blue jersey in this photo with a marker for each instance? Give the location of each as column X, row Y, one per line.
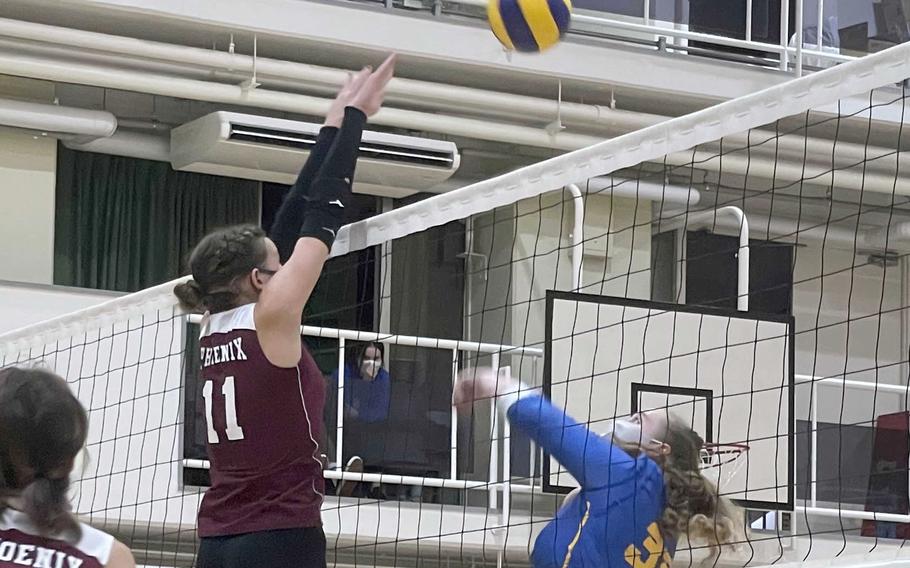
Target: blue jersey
column 613, row 522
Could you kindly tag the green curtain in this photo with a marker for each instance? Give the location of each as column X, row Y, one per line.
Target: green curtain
column 126, row 224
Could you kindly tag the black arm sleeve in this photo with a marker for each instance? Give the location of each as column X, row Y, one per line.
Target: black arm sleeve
column 286, row 227
column 331, row 189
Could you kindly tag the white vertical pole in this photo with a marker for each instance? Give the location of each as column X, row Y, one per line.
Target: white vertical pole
column 742, row 284
column 799, row 38
column 578, row 229
column 506, row 462
column 821, row 23
column 784, row 34
column 813, row 455
column 647, row 11
column 453, row 468
column 339, row 421
column 533, row 446
column 748, row 20
column 494, row 442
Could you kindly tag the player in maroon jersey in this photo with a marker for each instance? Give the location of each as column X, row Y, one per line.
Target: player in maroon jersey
column 42, row 429
column 263, row 394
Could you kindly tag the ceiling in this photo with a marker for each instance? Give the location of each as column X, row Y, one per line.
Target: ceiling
column 481, row 159
column 85, row 16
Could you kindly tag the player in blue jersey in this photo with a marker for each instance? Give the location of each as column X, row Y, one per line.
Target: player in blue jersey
column 640, row 488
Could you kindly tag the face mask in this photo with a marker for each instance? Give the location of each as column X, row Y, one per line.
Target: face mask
column 370, row 368
column 626, row 432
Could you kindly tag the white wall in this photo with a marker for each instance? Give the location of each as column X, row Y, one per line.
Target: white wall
column 28, row 171
column 24, row 304
column 527, row 252
column 27, row 182
column 848, row 321
column 616, row 262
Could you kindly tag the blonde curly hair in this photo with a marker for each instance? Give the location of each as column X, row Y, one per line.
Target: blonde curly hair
column 694, row 507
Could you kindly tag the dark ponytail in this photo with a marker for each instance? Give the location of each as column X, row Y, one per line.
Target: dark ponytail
column 47, row 504
column 43, row 428
column 190, row 295
column 218, row 261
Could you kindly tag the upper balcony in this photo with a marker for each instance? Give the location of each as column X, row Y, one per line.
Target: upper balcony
column 697, row 52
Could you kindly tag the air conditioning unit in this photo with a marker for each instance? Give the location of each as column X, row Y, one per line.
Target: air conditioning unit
column 274, row 150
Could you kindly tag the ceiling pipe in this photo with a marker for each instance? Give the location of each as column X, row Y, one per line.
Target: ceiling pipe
column 422, row 92
column 69, row 72
column 413, row 90
column 783, row 172
column 56, row 120
column 643, row 190
column 762, row 227
column 895, row 237
column 868, row 240
column 471, row 128
column 417, row 91
column 39, row 68
column 128, row 143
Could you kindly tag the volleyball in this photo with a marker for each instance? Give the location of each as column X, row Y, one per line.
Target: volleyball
column 529, row 25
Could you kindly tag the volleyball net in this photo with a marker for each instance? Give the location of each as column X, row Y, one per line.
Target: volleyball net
column 741, row 268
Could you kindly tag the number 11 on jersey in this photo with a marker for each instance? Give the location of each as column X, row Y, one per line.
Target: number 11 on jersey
column 233, row 430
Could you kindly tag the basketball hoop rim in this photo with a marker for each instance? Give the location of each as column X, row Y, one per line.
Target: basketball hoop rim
column 733, row 445
column 735, row 449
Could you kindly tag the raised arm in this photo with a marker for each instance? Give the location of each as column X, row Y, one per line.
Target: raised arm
column 285, row 229
column 280, row 306
column 591, row 459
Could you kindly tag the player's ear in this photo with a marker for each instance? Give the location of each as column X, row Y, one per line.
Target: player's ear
column 664, row 448
column 256, row 280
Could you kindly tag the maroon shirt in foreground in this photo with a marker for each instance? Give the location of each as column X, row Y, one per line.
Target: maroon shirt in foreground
column 21, row 544
column 263, row 424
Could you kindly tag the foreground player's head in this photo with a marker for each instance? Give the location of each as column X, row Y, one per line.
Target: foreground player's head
column 694, row 506
column 42, row 429
column 230, row 267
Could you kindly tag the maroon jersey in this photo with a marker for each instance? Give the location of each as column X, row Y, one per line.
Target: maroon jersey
column 263, row 425
column 21, row 544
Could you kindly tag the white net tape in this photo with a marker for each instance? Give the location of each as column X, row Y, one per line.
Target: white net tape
column 125, row 357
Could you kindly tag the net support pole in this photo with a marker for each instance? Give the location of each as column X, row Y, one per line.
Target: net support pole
column 578, row 225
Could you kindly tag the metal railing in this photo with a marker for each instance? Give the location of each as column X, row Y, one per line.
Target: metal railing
column 811, row 507
column 789, row 54
column 500, row 438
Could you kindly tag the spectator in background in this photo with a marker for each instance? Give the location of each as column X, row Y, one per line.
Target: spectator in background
column 367, row 392
column 366, row 385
